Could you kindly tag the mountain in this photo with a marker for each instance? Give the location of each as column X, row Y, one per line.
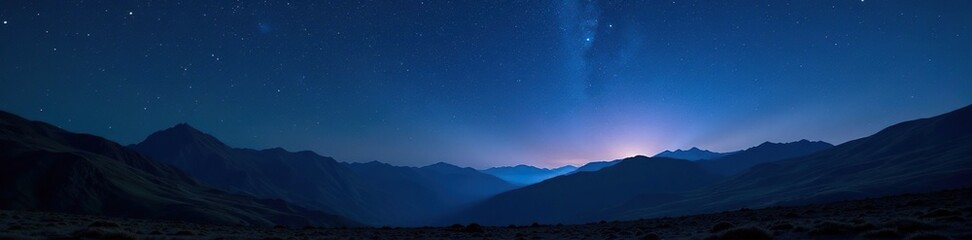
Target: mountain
column 46, row 168
column 373, row 193
column 915, row 156
column 429, row 193
column 595, row 166
column 573, row 198
column 304, row 178
column 692, row 154
column 526, row 175
column 464, row 185
column 764, row 153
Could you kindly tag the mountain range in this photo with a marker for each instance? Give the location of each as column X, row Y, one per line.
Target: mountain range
column 322, row 183
column 739, row 161
column 915, row 156
column 692, row 154
column 526, row 175
column 46, row 168
column 182, row 173
column 590, row 195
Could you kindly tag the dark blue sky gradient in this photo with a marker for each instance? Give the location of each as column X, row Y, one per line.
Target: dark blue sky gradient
column 486, row 83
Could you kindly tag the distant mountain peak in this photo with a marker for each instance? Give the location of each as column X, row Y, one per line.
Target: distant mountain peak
column 692, row 154
column 180, row 135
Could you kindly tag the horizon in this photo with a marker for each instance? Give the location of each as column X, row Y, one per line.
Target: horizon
column 504, row 83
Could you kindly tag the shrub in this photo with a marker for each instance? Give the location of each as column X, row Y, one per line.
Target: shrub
column 830, row 228
column 782, row 226
column 104, row 234
column 938, row 212
column 907, row 225
column 721, row 226
column 883, row 233
column 473, row 228
column 104, row 224
column 11, row 236
column 928, row 236
column 743, row 233
column 650, row 236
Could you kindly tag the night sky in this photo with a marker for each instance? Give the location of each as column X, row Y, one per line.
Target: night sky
column 486, row 83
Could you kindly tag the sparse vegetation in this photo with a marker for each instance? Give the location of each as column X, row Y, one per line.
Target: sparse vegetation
column 743, row 233
column 928, row 236
column 103, row 234
column 908, row 225
column 721, row 226
column 885, row 233
column 843, row 220
column 830, row 228
column 473, row 228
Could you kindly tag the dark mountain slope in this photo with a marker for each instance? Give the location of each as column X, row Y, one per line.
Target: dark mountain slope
column 915, row 156
column 428, row 193
column 595, row 166
column 573, row 198
column 463, row 185
column 48, row 169
column 526, row 175
column 764, row 153
column 373, row 193
column 304, row 178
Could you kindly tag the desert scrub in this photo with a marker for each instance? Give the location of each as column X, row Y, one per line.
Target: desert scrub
column 103, row 234
column 830, row 228
column 718, row 227
column 742, row 233
column 908, row 225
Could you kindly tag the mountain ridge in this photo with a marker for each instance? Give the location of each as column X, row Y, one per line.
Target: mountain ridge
column 50, row 169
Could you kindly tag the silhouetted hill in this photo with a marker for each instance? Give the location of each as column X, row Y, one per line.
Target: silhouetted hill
column 573, row 198
column 304, row 178
column 764, row 153
column 373, row 193
column 48, row 169
column 914, row 156
column 464, row 185
column 692, row 154
column 595, row 166
column 526, row 175
column 429, row 193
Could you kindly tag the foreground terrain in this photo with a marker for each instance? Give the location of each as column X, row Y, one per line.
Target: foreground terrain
column 939, row 215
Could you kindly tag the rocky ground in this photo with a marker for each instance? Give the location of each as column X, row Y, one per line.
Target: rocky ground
column 940, row 215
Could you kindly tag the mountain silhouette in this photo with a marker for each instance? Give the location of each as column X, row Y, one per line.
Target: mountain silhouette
column 46, row 168
column 525, row 174
column 915, row 156
column 764, row 153
column 595, row 166
column 464, row 184
column 304, row 178
column 571, row 198
column 373, row 193
column 427, row 194
column 692, row 154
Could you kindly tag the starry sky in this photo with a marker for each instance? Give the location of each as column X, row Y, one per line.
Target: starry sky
column 486, row 83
